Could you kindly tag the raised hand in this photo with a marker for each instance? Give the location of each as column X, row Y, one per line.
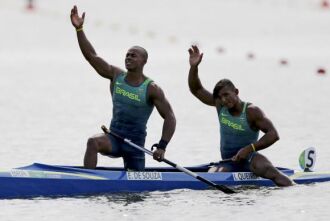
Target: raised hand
column 77, row 21
column 195, row 57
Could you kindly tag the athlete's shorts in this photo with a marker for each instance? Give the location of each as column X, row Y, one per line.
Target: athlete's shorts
column 134, row 159
column 241, row 166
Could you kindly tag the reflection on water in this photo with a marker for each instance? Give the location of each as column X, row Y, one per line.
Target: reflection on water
column 184, row 203
column 246, row 195
column 124, row 199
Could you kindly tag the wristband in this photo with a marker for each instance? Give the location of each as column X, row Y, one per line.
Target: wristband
column 79, row 29
column 162, row 144
column 253, row 147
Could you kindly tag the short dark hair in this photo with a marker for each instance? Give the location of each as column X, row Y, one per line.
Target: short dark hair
column 143, row 50
column 220, row 85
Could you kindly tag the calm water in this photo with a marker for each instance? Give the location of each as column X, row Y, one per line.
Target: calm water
column 51, row 100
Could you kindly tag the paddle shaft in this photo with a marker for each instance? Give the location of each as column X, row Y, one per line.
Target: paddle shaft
column 226, row 160
column 221, row 161
column 182, row 169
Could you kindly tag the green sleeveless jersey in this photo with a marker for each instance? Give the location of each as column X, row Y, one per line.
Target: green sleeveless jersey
column 131, row 108
column 235, row 132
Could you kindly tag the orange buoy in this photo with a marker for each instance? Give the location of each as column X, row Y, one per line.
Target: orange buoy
column 321, row 71
column 284, row 61
column 325, row 4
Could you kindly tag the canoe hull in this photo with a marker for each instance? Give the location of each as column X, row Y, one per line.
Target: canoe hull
column 53, row 181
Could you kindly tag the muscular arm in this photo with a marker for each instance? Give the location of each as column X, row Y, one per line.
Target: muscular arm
column 101, row 66
column 197, row 88
column 164, row 108
column 258, row 120
column 195, row 85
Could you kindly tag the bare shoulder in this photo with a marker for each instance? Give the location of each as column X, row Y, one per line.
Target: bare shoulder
column 254, row 112
column 155, row 91
column 258, row 120
column 115, row 72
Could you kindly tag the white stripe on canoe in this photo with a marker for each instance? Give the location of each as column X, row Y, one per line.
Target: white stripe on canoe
column 309, row 174
column 40, row 174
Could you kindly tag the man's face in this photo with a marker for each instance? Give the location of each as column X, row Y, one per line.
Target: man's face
column 134, row 59
column 228, row 96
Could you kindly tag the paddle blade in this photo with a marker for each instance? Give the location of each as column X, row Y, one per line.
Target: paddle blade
column 225, row 189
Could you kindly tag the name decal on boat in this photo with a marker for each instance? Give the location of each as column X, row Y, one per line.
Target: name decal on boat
column 19, row 173
column 33, row 174
column 144, row 175
column 245, row 176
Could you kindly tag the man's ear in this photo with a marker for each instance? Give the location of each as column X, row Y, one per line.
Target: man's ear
column 236, row 91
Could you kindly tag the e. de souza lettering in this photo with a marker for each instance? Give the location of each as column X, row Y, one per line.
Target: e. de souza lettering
column 144, row 176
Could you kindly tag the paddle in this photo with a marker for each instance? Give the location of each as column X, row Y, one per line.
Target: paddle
column 221, row 161
column 182, row 169
column 226, row 160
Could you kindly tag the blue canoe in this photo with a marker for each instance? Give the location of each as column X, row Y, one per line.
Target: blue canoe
column 51, row 181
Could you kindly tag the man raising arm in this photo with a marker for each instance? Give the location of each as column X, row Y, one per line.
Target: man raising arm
column 133, row 96
column 240, row 123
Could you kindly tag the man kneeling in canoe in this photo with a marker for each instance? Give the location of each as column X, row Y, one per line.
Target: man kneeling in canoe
column 240, row 123
column 133, row 96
